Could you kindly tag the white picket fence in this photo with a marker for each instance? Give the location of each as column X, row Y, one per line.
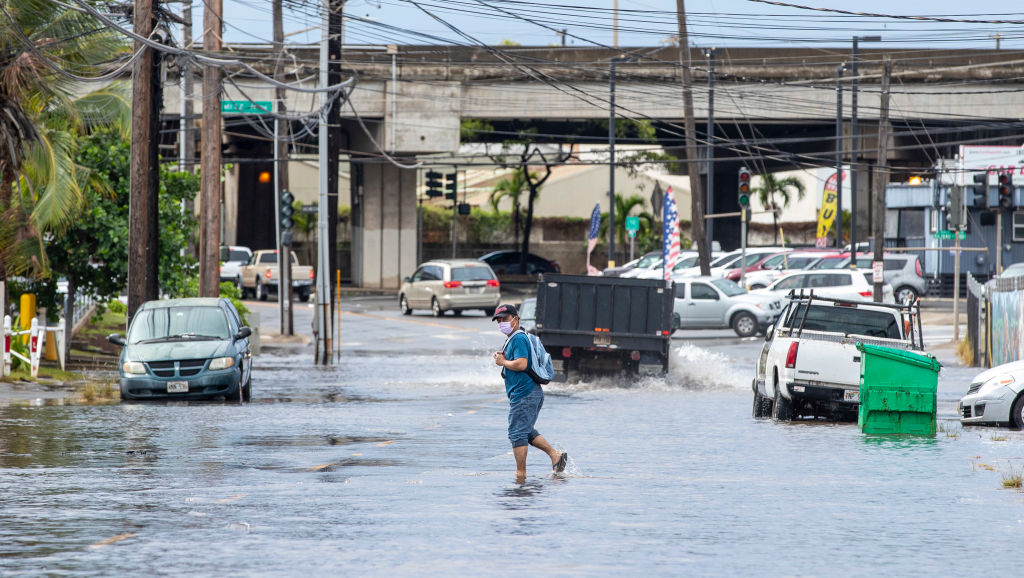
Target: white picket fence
column 36, row 344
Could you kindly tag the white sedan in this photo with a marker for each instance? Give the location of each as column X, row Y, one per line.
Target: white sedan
column 994, row 397
column 837, row 284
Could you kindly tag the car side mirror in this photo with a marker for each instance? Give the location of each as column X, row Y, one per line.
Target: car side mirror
column 769, row 332
column 116, row 339
column 243, row 333
column 407, row 279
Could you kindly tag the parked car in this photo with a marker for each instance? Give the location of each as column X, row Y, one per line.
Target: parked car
column 686, row 260
column 528, row 315
column 452, row 285
column 995, row 397
column 186, row 349
column 716, row 303
column 779, row 265
column 836, row 261
column 902, row 271
column 648, row 260
column 232, row 259
column 756, row 261
column 506, row 262
column 837, row 284
column 726, row 263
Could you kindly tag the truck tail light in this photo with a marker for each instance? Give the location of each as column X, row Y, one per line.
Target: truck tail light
column 865, row 293
column 635, row 356
column 791, row 355
column 452, row 284
column 267, row 274
column 567, row 352
column 311, row 274
column 493, row 283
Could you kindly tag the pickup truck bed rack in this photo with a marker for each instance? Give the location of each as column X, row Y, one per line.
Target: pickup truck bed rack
column 909, row 313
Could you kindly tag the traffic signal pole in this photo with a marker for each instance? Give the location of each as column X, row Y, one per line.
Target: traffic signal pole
column 743, row 200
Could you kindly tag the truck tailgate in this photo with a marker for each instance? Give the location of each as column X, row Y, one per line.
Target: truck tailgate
column 827, row 358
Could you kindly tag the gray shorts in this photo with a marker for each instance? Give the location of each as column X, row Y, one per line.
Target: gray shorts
column 522, row 415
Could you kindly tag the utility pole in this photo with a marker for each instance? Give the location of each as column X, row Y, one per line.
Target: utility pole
column 692, row 164
column 881, row 179
column 209, row 220
column 615, row 23
column 611, row 163
column 186, row 140
column 839, row 155
column 336, row 15
column 144, row 184
column 322, row 351
column 284, row 288
column 710, row 131
column 855, row 147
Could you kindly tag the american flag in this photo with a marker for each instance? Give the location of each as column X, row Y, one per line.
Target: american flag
column 670, row 240
column 595, row 228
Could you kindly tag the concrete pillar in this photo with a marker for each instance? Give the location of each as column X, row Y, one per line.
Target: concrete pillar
column 384, row 235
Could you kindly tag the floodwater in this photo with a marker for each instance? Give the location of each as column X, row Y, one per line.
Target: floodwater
column 397, row 463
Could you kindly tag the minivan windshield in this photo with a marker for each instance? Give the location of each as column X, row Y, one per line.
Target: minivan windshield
column 178, row 323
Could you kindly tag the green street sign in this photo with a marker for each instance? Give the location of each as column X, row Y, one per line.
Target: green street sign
column 246, row 106
column 947, row 235
column 632, row 224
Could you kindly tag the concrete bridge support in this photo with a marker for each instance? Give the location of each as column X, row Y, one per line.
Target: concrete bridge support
column 384, row 223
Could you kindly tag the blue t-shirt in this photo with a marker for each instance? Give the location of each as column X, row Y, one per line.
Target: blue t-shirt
column 518, row 384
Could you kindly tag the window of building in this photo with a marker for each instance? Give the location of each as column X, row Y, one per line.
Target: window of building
column 1018, row 226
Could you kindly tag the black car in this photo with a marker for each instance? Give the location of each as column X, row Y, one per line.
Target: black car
column 507, row 262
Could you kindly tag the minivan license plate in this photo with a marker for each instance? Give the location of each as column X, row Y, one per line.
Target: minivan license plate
column 851, row 395
column 177, row 387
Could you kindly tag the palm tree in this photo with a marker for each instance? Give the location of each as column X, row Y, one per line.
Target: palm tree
column 40, row 184
column 774, row 194
column 511, row 187
column 624, row 207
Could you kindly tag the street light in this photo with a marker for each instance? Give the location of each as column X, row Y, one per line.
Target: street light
column 611, row 157
column 854, row 147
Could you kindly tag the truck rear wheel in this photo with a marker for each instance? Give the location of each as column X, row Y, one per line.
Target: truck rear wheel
column 782, row 408
column 261, row 291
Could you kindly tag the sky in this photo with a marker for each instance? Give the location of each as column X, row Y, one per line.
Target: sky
column 641, row 23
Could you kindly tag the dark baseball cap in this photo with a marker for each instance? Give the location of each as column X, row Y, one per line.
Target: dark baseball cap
column 504, row 310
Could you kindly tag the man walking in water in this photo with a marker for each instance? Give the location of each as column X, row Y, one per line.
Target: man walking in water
column 525, row 396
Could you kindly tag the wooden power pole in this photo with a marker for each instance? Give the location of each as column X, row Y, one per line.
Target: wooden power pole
column 692, row 163
column 144, row 185
column 281, row 171
column 881, row 179
column 209, row 203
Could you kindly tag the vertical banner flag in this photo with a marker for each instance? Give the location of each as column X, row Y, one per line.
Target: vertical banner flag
column 829, row 198
column 670, row 239
column 595, row 228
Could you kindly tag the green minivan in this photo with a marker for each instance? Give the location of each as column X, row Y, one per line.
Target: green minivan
column 186, row 349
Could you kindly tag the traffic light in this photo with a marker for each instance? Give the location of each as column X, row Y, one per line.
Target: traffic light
column 451, row 184
column 287, row 210
column 979, row 190
column 434, row 184
column 1006, row 190
column 743, row 188
column 955, row 209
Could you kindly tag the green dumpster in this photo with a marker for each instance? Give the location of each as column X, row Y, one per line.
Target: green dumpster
column 897, row 391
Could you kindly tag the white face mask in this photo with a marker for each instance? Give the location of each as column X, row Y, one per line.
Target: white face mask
column 505, row 327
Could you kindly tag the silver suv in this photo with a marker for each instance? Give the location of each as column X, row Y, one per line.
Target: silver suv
column 902, row 271
column 450, row 285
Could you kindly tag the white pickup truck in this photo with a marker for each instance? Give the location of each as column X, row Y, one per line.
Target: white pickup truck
column 810, row 365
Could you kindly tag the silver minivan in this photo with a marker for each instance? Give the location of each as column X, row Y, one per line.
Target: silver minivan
column 452, row 285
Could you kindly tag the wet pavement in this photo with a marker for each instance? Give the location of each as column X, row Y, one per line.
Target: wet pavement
column 395, row 461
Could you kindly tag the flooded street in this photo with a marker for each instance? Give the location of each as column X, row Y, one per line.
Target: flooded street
column 396, row 461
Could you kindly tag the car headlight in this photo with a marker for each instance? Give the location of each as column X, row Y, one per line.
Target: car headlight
column 133, row 368
column 222, row 362
column 998, row 381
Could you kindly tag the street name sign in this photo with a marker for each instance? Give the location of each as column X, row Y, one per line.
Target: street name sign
column 246, row 106
column 947, row 235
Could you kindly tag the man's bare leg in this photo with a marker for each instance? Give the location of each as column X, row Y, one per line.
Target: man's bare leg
column 520, row 454
column 542, row 444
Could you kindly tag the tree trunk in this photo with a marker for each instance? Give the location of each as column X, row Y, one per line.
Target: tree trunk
column 527, row 227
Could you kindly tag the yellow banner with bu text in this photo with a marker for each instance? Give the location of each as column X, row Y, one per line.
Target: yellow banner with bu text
column 827, row 215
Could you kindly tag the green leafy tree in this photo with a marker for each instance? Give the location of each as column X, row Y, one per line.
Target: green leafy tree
column 41, row 188
column 775, row 195
column 512, row 188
